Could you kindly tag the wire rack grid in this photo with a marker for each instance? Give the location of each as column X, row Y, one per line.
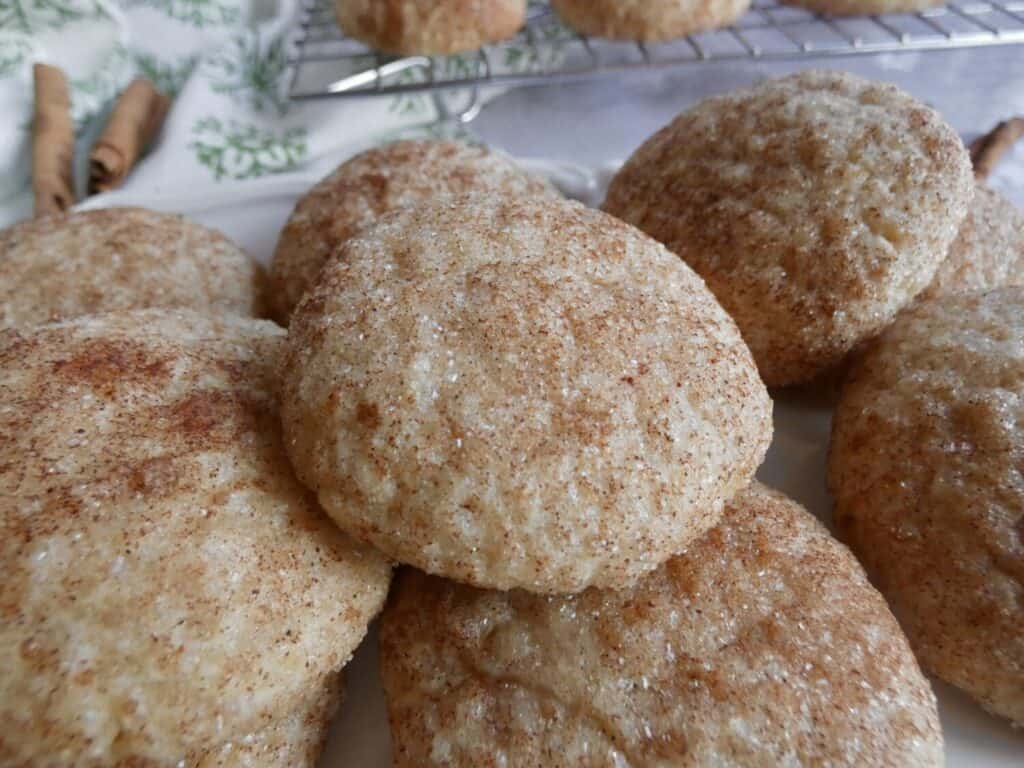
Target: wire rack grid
column 328, row 64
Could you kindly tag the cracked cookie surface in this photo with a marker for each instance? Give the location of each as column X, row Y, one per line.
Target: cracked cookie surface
column 762, row 644
column 925, row 466
column 815, row 206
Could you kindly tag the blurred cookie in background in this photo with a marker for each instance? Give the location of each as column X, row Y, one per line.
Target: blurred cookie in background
column 69, row 265
column 648, row 20
column 424, row 27
column 864, row 7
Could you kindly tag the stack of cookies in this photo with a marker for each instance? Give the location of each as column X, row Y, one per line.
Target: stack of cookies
column 838, row 222
column 172, row 595
column 550, row 418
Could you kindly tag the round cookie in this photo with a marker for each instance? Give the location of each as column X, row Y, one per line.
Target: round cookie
column 815, row 206
column 988, row 251
column 762, row 644
column 425, row 27
column 648, row 20
column 397, row 175
column 519, row 393
column 925, row 467
column 84, row 263
column 169, row 587
column 864, row 7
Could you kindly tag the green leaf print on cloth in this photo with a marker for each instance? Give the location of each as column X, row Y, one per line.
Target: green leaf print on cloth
column 250, row 73
column 549, row 45
column 14, row 53
column 231, row 150
column 91, row 95
column 456, row 66
column 28, row 16
column 168, row 77
column 198, row 13
column 517, row 58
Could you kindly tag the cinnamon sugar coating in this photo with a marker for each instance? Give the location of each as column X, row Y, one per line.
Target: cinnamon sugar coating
column 761, row 645
column 925, row 467
column 519, row 393
column 648, row 20
column 84, row 263
column 169, row 587
column 396, row 175
column 988, row 251
column 815, row 206
column 295, row 740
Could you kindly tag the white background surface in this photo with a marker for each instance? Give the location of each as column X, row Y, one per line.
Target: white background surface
column 592, row 125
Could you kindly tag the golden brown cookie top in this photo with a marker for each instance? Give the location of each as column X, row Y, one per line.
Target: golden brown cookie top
column 424, row 27
column 761, row 644
column 815, row 206
column 168, row 584
column 647, row 20
column 396, row 175
column 863, row 7
column 88, row 262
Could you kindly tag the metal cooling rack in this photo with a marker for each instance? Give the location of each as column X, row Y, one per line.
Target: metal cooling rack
column 328, row 64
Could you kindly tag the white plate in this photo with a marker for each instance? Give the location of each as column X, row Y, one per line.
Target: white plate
column 795, row 464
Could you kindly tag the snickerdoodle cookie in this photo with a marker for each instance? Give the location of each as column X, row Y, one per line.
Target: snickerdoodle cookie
column 396, row 175
column 519, row 393
column 412, row 27
column 988, row 251
column 62, row 267
column 816, row 206
column 170, row 590
column 762, row 644
column 926, row 469
column 648, row 20
column 864, row 7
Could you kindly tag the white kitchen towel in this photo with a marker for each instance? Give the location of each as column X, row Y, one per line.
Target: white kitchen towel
column 232, row 134
column 232, row 131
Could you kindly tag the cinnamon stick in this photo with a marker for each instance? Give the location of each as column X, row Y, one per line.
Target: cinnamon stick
column 53, row 142
column 987, row 150
column 136, row 119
